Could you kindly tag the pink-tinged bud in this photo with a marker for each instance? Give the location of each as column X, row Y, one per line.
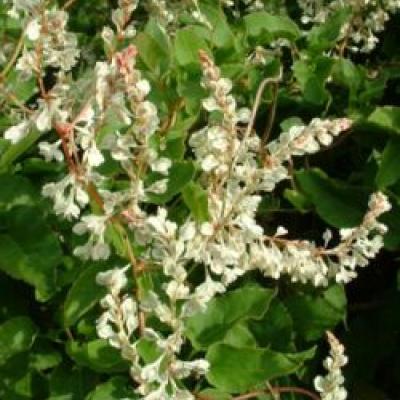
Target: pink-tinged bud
column 126, row 58
column 345, row 124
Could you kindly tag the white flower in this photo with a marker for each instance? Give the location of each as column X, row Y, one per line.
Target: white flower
column 209, row 163
column 93, row 156
column 16, row 133
column 115, row 279
column 158, row 187
column 51, row 151
column 33, row 30
column 176, row 290
column 182, row 369
column 67, row 195
column 144, row 87
column 331, row 386
column 96, row 248
column 187, row 231
column 161, row 165
column 207, row 229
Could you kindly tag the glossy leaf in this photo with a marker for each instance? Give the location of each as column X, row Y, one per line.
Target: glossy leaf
column 239, row 369
column 83, row 295
column 16, row 336
column 337, row 203
column 196, row 199
column 222, row 313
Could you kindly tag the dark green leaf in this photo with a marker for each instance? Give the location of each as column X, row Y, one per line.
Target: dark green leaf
column 16, row 190
column 179, row 175
column 323, row 312
column 339, row 204
column 389, row 168
column 30, row 251
column 276, row 26
column 188, row 42
column 239, row 369
column 275, row 329
column 196, row 199
column 324, row 36
column 387, row 118
column 115, row 389
column 250, row 302
column 97, row 355
column 16, row 336
column 83, row 295
column 68, row 383
column 154, row 48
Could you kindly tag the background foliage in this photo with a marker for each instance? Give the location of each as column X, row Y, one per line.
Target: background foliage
column 48, row 298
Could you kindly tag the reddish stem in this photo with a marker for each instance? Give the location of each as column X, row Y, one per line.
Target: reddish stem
column 279, row 390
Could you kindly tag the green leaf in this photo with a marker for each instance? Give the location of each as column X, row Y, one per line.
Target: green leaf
column 13, row 299
column 16, row 191
column 337, row 203
column 311, row 76
column 97, row 355
column 392, row 221
column 84, row 294
column 30, row 251
column 240, row 336
column 16, row 336
column 154, row 48
column 172, row 145
column 221, row 35
column 298, row 200
column 324, row 36
column 21, row 87
column 387, row 118
column 346, row 73
column 275, row 329
column 239, row 369
column 195, row 197
column 250, row 302
column 323, row 311
column 179, row 175
column 276, row 26
column 188, row 42
column 115, row 389
column 43, row 355
column 148, row 350
column 16, row 150
column 389, row 168
column 70, row 383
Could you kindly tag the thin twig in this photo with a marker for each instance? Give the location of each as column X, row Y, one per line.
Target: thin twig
column 257, row 101
column 68, row 4
column 271, row 118
column 14, row 56
column 279, row 390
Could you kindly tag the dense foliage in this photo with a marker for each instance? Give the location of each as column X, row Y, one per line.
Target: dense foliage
column 199, row 199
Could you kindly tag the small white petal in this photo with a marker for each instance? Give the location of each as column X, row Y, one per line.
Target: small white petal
column 17, row 132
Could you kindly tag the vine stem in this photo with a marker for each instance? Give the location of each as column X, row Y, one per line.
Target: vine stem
column 14, row 56
column 279, row 390
column 271, row 118
column 257, row 101
column 68, row 4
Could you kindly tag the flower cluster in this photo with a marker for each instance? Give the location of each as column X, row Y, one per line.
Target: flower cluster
column 367, row 20
column 119, row 323
column 123, row 28
column 232, row 242
column 116, row 120
column 52, row 45
column 331, row 386
column 304, row 261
